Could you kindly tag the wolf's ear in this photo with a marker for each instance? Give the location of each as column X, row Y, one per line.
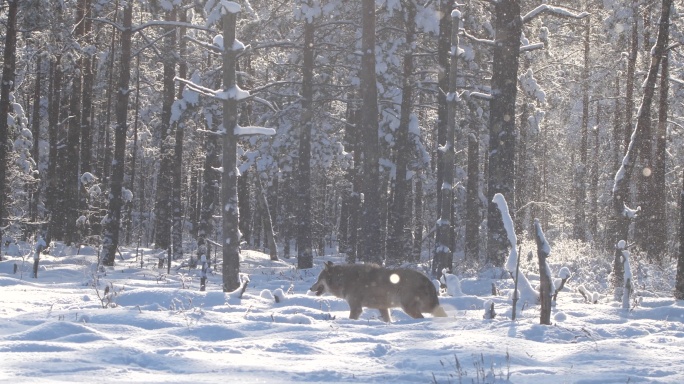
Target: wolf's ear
column 328, row 265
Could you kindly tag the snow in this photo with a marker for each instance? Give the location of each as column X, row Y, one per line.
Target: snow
column 231, row 6
column 61, row 327
column 512, row 260
column 251, row 130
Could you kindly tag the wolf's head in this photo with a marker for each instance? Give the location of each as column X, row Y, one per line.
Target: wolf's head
column 322, row 285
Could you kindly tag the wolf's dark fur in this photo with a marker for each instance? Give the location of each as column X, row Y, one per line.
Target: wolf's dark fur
column 372, row 286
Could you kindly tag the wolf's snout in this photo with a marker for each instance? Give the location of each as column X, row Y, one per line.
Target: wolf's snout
column 318, row 288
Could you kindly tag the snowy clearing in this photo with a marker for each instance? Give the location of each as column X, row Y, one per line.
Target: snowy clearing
column 160, row 328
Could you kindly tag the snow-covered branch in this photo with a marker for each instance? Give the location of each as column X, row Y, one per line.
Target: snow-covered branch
column 251, row 130
column 234, row 93
column 557, row 11
column 479, row 95
column 531, row 47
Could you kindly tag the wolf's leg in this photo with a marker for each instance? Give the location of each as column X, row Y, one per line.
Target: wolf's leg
column 412, row 311
column 384, row 313
column 355, row 311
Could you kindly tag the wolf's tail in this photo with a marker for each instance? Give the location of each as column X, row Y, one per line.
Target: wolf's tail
column 439, row 312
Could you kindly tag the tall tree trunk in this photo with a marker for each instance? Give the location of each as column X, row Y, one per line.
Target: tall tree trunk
column 624, row 174
column 630, row 80
column 679, row 281
column 88, row 81
column 443, row 46
column 579, row 229
column 9, row 63
column 397, row 250
column 229, row 199
column 659, row 227
column 177, row 171
column 595, row 173
column 72, row 161
column 304, row 228
column 350, row 212
column 163, row 202
column 128, row 221
column 472, row 230
column 110, row 233
column 35, row 130
column 418, row 215
column 103, row 140
column 210, row 191
column 444, row 254
column 508, row 26
column 371, row 222
column 55, row 228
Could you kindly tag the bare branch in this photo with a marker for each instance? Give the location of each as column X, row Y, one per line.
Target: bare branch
column 202, row 44
column 477, row 40
column 159, row 23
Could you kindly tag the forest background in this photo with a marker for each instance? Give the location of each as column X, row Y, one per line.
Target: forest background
column 391, row 129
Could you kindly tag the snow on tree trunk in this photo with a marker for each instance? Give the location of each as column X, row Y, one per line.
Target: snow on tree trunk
column 627, row 278
column 472, row 230
column 546, row 287
column 443, row 258
column 623, row 215
column 9, row 62
column 527, row 292
column 229, row 201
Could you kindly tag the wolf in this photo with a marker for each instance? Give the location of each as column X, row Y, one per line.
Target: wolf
column 372, row 286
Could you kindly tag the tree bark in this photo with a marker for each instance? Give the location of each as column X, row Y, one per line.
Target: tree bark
column 679, row 281
column 443, row 258
column 472, row 230
column 443, row 47
column 303, row 212
column 163, row 203
column 579, row 229
column 229, row 199
column 371, row 224
column 397, row 239
column 55, row 229
column 35, row 130
column 659, row 227
column 6, row 87
column 177, row 171
column 508, row 26
column 110, row 233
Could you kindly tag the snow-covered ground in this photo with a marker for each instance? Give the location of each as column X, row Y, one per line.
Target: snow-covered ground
column 161, row 328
